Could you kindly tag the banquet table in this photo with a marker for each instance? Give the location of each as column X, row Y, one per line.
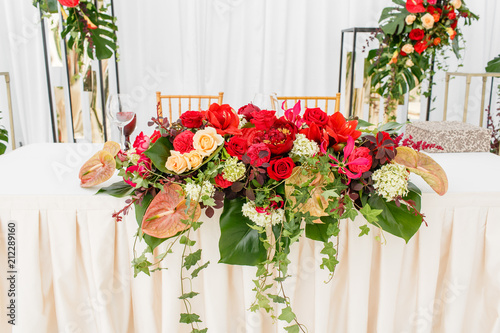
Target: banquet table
column 73, row 271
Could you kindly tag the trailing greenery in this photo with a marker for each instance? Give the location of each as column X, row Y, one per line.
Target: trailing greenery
column 4, row 137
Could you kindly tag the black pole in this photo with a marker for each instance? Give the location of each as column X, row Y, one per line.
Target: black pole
column 103, row 101
column 116, row 62
column 341, row 56
column 431, row 82
column 69, row 87
column 353, row 61
column 47, row 74
column 491, row 98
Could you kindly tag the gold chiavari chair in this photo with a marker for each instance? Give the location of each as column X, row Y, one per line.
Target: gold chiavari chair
column 191, row 103
column 312, row 101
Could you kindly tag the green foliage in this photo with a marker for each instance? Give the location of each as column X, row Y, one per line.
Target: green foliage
column 494, row 65
column 118, row 190
column 189, row 318
column 192, row 259
column 287, row 315
column 239, row 244
column 4, row 138
column 141, row 264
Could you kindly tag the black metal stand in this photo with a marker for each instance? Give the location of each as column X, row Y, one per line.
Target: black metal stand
column 431, row 83
column 355, row 31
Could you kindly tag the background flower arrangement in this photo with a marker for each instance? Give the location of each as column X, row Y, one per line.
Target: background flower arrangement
column 414, row 31
column 276, row 178
column 89, row 29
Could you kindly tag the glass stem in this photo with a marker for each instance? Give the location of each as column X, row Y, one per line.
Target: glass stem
column 122, row 142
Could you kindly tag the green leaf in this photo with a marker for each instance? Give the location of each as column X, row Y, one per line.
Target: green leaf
column 330, row 194
column 197, row 270
column 292, row 329
column 238, row 243
column 287, row 315
column 364, row 230
column 189, row 295
column 159, row 152
column 494, row 65
column 318, row 231
column 277, row 298
column 141, row 264
column 370, row 214
column 118, row 190
column 205, row 330
column 192, row 259
column 398, row 221
column 189, row 318
column 185, row 240
column 363, row 124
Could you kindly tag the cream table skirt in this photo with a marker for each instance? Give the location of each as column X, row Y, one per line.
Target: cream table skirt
column 74, row 275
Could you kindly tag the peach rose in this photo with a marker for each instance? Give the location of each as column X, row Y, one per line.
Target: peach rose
column 409, row 63
column 408, row 49
column 410, row 19
column 176, row 162
column 428, row 21
column 193, row 158
column 457, row 4
column 206, row 141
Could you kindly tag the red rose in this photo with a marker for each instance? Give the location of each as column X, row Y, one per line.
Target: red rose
column 259, row 154
column 236, row 146
column 69, row 3
column 421, row 47
column 452, row 15
column 417, row 34
column 415, row 6
column 141, row 143
column 183, row 143
column 317, row 116
column 192, row 119
column 281, row 169
column 264, row 119
column 454, row 24
column 223, row 119
column 361, row 152
column 221, row 182
column 404, row 54
column 156, row 135
column 248, row 110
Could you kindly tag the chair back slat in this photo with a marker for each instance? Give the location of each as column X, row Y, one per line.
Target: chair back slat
column 202, row 99
column 316, row 99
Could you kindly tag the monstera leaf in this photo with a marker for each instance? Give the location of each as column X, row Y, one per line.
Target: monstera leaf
column 167, row 213
column 494, row 65
column 424, row 166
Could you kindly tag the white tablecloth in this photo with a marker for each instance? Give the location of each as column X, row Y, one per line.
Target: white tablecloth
column 74, row 275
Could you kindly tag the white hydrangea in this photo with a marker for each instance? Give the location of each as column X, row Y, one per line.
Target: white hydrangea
column 132, row 156
column 262, row 219
column 243, row 121
column 233, row 169
column 199, row 191
column 303, row 147
column 391, row 181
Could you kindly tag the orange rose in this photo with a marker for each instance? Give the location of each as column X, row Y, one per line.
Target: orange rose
column 206, row 141
column 436, row 16
column 193, row 158
column 176, row 162
column 437, row 41
column 407, row 48
column 428, row 21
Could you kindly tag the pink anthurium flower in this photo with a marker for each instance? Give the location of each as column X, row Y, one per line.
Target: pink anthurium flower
column 293, row 115
column 343, row 165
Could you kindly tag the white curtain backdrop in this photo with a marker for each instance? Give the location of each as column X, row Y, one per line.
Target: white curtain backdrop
column 240, row 47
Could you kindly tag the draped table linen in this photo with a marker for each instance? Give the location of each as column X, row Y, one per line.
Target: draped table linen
column 74, row 272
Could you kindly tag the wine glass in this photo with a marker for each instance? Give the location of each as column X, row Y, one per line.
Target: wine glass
column 118, row 109
column 128, row 130
column 266, row 101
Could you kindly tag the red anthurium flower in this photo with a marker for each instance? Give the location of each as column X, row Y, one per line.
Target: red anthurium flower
column 69, row 3
column 415, row 6
column 340, row 129
column 357, row 163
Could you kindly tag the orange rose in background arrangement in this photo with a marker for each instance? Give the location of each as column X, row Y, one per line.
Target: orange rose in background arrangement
column 407, row 48
column 428, row 21
column 176, row 162
column 436, row 41
column 223, row 119
column 193, row 159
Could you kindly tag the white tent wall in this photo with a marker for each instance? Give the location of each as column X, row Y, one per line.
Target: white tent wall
column 240, row 47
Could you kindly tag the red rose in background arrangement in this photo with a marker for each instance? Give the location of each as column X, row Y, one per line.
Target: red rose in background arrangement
column 454, row 24
column 315, row 115
column 192, row 119
column 237, row 146
column 417, row 34
column 452, row 15
column 156, row 135
column 415, row 6
column 357, row 153
column 420, row 47
column 223, row 119
column 264, row 119
column 69, row 3
column 248, row 110
column 259, row 154
column 221, row 182
column 183, row 143
column 340, row 129
column 141, row 143
column 281, row 169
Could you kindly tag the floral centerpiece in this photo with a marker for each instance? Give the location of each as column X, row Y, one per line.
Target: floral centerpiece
column 276, row 179
column 413, row 32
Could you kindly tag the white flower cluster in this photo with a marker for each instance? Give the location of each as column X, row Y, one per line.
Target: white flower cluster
column 262, row 219
column 233, row 169
column 196, row 191
column 243, row 121
column 132, row 156
column 303, row 147
column 391, row 181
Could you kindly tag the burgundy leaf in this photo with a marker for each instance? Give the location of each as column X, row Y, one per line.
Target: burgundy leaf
column 237, row 186
column 209, row 212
